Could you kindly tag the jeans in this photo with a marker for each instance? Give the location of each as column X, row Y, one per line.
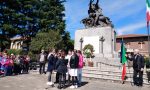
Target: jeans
column 79, row 75
column 62, row 79
column 49, row 76
column 42, row 68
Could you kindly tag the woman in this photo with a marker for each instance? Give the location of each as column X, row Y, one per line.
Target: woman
column 80, row 66
column 68, row 66
column 74, row 62
column 61, row 66
column 26, row 62
column 50, row 68
column 17, row 68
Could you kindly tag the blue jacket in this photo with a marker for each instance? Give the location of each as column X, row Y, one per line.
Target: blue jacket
column 51, row 63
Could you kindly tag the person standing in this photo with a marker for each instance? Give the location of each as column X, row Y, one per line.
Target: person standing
column 68, row 57
column 42, row 62
column 74, row 62
column 138, row 67
column 61, row 66
column 51, row 65
column 80, row 66
column 57, row 57
column 27, row 60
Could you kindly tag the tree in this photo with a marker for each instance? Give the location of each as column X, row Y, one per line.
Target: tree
column 27, row 17
column 45, row 41
column 30, row 17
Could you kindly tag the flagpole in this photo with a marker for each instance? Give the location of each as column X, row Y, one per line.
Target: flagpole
column 148, row 39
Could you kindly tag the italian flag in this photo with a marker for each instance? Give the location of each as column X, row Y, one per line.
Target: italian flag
column 147, row 10
column 123, row 60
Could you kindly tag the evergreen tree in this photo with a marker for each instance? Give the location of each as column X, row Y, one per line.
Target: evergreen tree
column 29, row 17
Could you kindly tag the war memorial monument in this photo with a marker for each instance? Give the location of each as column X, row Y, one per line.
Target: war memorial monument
column 98, row 32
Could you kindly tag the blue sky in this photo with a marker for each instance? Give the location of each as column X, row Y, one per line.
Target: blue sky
column 128, row 16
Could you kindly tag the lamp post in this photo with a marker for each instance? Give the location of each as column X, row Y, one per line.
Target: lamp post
column 102, row 39
column 81, row 41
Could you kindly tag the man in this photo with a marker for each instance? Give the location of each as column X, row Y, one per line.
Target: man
column 138, row 67
column 42, row 62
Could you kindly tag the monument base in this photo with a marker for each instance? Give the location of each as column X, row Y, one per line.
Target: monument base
column 93, row 36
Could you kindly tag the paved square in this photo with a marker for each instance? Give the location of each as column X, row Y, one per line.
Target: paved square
column 34, row 81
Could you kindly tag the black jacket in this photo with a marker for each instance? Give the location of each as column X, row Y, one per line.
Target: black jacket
column 74, row 61
column 138, row 62
column 61, row 66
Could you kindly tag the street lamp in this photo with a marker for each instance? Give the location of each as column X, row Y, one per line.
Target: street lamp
column 81, row 41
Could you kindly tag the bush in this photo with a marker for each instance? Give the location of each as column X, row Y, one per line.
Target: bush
column 14, row 51
column 33, row 56
column 147, row 62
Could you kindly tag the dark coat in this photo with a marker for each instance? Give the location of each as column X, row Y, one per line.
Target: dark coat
column 138, row 62
column 74, row 61
column 51, row 63
column 61, row 66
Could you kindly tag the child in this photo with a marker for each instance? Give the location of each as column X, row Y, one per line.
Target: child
column 51, row 65
column 61, row 66
column 74, row 62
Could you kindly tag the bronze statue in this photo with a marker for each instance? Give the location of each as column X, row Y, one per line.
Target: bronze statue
column 96, row 18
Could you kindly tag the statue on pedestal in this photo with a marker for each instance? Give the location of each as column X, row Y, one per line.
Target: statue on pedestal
column 96, row 18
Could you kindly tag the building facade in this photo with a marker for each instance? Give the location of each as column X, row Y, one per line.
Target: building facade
column 132, row 42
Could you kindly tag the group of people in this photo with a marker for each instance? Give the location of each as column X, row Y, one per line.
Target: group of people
column 13, row 64
column 68, row 67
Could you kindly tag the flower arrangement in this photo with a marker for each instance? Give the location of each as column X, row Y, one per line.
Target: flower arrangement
column 88, row 51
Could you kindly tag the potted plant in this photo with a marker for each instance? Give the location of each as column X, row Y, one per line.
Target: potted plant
column 88, row 53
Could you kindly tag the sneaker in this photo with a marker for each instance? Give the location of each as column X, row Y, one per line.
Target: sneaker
column 76, row 86
column 49, row 83
column 72, row 87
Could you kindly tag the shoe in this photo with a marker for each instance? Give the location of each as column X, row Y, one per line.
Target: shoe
column 59, row 87
column 72, row 87
column 49, row 83
column 76, row 86
column 55, row 82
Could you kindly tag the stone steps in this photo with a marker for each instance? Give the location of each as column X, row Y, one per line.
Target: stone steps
column 108, row 74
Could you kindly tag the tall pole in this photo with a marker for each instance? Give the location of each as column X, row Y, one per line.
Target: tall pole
column 148, row 39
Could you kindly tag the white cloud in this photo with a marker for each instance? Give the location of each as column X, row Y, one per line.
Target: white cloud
column 131, row 28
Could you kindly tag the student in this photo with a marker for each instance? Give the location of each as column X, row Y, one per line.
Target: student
column 80, row 66
column 57, row 57
column 51, row 65
column 61, row 66
column 68, row 57
column 74, row 62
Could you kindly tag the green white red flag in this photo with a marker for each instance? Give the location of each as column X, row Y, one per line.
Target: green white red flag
column 123, row 60
column 147, row 11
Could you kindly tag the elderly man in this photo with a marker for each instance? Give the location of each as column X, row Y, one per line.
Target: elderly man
column 42, row 61
column 138, row 67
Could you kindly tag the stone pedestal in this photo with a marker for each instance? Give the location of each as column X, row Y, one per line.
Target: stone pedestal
column 93, row 36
